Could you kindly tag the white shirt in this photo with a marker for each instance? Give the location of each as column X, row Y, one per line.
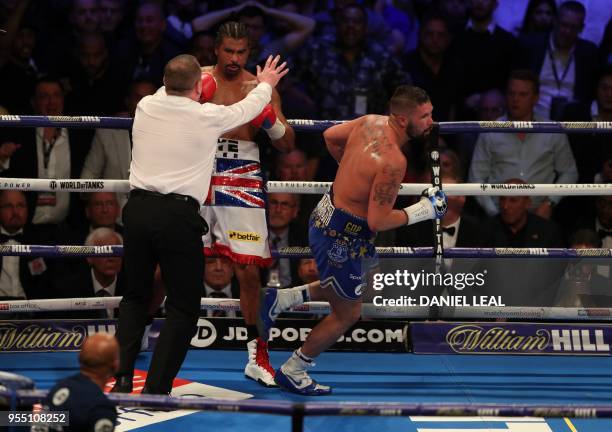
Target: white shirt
column 175, row 139
column 10, row 285
column 450, row 241
column 57, row 168
column 227, row 290
column 97, row 286
column 549, row 87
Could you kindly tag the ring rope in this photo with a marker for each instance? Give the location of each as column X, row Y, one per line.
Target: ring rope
column 305, row 252
column 310, row 187
column 99, row 122
column 322, row 308
column 385, row 409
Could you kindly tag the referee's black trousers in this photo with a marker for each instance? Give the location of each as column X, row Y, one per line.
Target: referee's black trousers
column 164, row 229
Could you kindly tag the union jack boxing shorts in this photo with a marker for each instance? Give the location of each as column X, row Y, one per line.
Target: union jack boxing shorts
column 235, row 207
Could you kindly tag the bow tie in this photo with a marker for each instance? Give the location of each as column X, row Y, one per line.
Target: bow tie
column 604, row 233
column 218, row 294
column 449, row 230
column 6, row 237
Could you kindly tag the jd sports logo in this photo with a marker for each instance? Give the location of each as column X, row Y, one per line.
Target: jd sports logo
column 244, row 236
column 206, row 334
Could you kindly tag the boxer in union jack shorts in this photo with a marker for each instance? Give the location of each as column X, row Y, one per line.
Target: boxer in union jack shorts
column 235, row 205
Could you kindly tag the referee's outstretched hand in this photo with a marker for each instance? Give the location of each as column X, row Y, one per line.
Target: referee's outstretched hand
column 271, row 73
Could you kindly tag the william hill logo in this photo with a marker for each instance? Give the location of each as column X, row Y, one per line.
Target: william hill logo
column 244, row 236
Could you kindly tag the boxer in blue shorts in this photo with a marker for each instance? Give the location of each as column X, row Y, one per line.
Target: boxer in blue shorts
column 344, row 224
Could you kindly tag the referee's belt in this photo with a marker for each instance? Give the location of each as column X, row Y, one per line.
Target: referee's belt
column 186, row 198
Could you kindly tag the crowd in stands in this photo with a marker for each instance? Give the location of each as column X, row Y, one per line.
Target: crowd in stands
column 517, row 60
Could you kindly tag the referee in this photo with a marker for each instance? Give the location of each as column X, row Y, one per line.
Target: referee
column 174, row 145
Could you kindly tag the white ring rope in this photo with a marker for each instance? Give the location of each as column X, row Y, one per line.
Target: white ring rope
column 308, row 187
column 322, row 308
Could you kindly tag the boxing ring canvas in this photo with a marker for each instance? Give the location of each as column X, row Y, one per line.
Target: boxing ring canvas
column 369, row 377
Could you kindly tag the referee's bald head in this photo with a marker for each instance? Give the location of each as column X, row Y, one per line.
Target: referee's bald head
column 181, row 74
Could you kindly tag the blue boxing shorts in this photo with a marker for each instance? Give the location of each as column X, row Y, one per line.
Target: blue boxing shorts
column 340, row 242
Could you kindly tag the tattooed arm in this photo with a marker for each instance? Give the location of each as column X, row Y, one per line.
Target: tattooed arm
column 386, row 184
column 337, row 135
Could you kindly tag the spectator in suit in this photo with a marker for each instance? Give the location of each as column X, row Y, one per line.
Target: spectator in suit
column 22, row 277
column 102, row 210
column 101, row 278
column 516, row 226
column 19, row 74
column 601, row 222
column 432, row 67
column 219, row 282
column 96, row 86
column 145, row 56
column 485, row 52
column 522, row 282
column 49, row 153
column 282, row 213
column 111, row 150
column 458, row 229
column 566, row 64
column 535, row 158
column 591, row 149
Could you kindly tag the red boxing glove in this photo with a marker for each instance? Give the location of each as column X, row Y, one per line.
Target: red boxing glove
column 209, row 87
column 265, row 119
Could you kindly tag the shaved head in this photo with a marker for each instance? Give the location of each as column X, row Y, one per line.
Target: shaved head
column 100, row 354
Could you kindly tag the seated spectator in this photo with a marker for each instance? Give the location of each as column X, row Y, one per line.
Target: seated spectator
column 111, row 149
column 283, row 232
column 144, row 57
column 96, row 86
column 516, row 226
column 307, row 271
column 49, row 153
column 202, row 47
column 102, row 277
column 219, row 282
column 534, row 158
column 566, row 64
column 101, row 211
column 20, row 73
column 522, row 282
column 293, row 166
column 591, row 149
column 458, row 229
column 601, row 221
column 327, row 19
column 22, row 277
column 491, row 106
column 433, row 68
column 82, row 395
column 481, row 72
column 352, row 75
column 540, row 17
column 111, row 14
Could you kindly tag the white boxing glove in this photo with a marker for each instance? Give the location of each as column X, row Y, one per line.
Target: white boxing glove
column 432, row 205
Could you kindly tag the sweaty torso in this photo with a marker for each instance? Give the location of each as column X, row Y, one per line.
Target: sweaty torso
column 369, row 148
column 228, row 93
